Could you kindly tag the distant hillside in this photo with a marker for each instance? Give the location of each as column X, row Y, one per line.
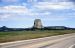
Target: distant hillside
column 4, row 28
column 56, row 27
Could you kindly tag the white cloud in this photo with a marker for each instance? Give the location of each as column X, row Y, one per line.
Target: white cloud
column 31, row 1
column 7, row 11
column 55, row 0
column 11, row 10
column 37, row 9
column 4, row 16
column 14, row 9
column 10, row 0
column 58, row 18
column 53, row 5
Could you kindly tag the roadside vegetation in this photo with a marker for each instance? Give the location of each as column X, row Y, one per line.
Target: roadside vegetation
column 24, row 35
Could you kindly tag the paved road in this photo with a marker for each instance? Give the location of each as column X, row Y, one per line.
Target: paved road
column 60, row 41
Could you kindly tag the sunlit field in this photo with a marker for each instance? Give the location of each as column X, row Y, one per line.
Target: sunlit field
column 24, row 35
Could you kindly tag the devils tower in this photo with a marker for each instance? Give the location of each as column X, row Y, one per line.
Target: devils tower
column 38, row 24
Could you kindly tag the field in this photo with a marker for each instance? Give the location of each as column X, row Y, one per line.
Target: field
column 24, row 35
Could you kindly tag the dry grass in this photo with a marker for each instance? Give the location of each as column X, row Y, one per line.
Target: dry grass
column 24, row 35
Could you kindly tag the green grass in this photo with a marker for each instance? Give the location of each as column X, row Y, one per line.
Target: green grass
column 24, row 35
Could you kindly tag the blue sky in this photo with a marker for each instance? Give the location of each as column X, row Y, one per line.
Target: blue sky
column 22, row 13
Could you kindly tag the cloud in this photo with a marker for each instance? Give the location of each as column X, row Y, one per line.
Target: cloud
column 4, row 16
column 7, row 11
column 56, row 19
column 39, row 9
column 56, row 0
column 10, row 1
column 56, row 6
column 31, row 0
column 14, row 9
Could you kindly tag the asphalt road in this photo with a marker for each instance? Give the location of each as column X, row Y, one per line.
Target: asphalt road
column 60, row 41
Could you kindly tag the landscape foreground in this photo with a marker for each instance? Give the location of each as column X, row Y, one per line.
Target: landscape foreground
column 25, row 35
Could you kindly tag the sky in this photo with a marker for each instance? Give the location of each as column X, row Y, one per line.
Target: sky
column 22, row 13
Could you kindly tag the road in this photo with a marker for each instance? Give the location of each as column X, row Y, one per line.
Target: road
column 60, row 41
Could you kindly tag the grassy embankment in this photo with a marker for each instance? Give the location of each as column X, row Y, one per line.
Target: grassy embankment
column 24, row 35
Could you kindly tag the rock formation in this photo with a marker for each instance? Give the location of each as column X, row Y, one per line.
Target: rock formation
column 38, row 24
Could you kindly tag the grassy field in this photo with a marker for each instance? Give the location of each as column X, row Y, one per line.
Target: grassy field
column 24, row 35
